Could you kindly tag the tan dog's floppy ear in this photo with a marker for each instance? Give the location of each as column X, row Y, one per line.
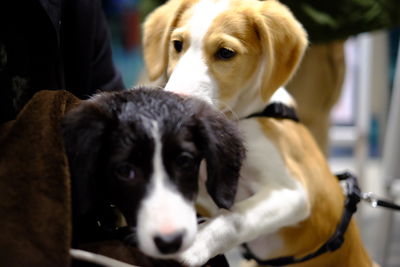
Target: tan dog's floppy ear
column 157, row 29
column 283, row 41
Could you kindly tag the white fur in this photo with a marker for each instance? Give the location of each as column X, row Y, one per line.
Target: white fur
column 284, row 97
column 191, row 75
column 269, row 198
column 164, row 210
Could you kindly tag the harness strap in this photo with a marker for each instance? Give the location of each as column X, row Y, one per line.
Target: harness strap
column 353, row 194
column 278, row 111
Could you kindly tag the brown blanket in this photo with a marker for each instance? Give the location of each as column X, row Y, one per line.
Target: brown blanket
column 34, row 185
column 35, row 199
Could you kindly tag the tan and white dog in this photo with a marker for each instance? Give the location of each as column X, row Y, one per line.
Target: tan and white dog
column 236, row 54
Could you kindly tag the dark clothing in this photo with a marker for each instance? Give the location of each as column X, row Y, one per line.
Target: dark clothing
column 333, row 20
column 53, row 45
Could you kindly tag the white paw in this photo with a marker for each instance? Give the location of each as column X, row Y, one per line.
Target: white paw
column 196, row 255
column 211, row 240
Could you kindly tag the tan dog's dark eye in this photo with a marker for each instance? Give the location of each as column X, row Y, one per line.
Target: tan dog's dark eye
column 125, row 171
column 225, row 53
column 178, row 45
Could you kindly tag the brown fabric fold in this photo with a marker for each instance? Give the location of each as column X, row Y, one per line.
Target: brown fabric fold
column 35, row 185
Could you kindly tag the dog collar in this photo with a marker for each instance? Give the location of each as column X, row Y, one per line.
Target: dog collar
column 353, row 196
column 278, row 111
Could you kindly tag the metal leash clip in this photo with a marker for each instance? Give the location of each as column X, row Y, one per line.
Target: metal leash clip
column 371, row 198
column 351, row 188
column 375, row 201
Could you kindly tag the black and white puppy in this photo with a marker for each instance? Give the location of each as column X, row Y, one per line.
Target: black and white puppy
column 141, row 150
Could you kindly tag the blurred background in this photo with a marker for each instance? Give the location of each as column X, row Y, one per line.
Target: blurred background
column 124, row 18
column 364, row 132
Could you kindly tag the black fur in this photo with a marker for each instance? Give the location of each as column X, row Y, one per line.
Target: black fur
column 109, row 138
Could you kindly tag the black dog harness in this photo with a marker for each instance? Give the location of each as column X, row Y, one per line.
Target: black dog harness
column 278, row 111
column 353, row 197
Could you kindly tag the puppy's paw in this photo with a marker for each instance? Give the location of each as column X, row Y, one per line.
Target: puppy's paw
column 196, row 255
column 211, row 240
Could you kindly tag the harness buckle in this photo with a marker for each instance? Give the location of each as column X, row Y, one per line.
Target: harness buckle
column 352, row 189
column 371, row 199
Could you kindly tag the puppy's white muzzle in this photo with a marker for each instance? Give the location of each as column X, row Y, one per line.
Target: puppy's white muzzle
column 167, row 224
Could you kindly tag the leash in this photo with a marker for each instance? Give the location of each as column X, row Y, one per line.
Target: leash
column 375, row 202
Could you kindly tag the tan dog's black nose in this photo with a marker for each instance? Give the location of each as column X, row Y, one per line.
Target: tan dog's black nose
column 169, row 243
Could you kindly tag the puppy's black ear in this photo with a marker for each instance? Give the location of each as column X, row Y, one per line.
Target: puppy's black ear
column 224, row 152
column 83, row 130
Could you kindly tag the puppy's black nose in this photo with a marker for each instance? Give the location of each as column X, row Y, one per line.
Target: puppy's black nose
column 171, row 243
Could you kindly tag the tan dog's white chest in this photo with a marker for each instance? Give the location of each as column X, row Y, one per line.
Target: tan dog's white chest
column 263, row 165
column 265, row 168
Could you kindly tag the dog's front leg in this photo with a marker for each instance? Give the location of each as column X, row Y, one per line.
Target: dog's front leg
column 264, row 213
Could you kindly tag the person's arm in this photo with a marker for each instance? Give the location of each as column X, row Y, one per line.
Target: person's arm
column 105, row 75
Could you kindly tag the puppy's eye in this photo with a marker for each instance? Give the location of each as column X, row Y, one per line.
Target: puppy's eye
column 178, row 45
column 185, row 161
column 125, row 171
column 225, row 53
